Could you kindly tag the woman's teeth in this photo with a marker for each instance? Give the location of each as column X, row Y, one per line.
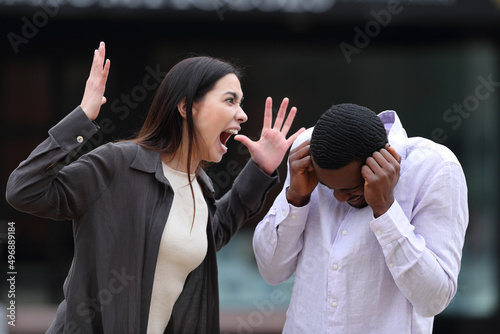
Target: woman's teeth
column 224, row 139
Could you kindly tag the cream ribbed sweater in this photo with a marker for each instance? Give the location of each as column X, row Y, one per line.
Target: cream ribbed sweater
column 181, row 249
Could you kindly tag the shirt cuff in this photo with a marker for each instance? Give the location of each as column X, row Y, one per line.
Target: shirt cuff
column 289, row 215
column 392, row 225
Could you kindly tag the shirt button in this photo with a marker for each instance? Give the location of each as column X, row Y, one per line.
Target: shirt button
column 293, row 216
column 344, row 232
column 334, row 304
column 391, row 265
column 379, row 232
column 283, row 213
column 335, row 267
column 274, row 241
column 79, row 139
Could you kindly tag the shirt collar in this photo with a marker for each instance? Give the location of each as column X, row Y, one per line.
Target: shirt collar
column 396, row 134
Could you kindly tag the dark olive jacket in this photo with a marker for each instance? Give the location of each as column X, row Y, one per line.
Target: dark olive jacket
column 119, row 200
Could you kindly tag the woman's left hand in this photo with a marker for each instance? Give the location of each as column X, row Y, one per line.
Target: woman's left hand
column 269, row 150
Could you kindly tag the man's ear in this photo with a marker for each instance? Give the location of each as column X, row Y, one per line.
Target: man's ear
column 181, row 107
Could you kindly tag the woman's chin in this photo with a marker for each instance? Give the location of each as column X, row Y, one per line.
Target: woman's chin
column 216, row 157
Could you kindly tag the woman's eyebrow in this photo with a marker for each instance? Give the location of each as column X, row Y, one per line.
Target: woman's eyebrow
column 236, row 96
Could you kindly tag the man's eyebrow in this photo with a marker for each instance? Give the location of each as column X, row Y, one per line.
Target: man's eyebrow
column 359, row 185
column 343, row 189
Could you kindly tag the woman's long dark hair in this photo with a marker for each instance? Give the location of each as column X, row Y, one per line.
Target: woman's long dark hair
column 192, row 79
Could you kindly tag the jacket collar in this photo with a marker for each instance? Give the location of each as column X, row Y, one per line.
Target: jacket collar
column 149, row 161
column 146, row 160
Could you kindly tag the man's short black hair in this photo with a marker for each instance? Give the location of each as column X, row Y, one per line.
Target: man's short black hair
column 346, row 133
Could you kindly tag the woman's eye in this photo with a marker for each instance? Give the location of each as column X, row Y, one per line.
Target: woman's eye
column 232, row 100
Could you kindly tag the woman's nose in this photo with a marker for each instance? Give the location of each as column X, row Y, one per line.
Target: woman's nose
column 241, row 116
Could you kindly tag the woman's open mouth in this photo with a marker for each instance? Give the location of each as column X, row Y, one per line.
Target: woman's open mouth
column 224, row 137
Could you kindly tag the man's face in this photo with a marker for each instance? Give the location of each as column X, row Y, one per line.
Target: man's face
column 347, row 183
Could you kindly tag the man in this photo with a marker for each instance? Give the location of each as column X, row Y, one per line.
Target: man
column 371, row 222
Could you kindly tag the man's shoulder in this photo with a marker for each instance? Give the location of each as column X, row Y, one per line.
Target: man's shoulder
column 423, row 150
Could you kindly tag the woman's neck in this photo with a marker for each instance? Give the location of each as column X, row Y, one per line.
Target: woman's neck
column 178, row 161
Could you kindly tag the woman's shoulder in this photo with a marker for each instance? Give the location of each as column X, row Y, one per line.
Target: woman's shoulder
column 122, row 150
column 130, row 153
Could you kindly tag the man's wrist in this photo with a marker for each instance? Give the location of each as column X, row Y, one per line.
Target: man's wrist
column 296, row 200
column 379, row 211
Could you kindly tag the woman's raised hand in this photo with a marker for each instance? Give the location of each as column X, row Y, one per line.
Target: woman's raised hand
column 93, row 97
column 269, row 150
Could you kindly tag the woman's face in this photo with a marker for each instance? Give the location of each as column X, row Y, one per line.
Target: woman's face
column 218, row 116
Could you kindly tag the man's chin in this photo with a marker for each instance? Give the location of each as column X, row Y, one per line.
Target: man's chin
column 359, row 204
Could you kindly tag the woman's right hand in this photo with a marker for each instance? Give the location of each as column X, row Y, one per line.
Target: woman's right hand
column 93, row 97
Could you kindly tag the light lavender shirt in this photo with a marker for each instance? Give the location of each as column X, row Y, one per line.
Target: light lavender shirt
column 358, row 274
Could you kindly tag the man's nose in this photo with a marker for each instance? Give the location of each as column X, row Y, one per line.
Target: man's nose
column 341, row 196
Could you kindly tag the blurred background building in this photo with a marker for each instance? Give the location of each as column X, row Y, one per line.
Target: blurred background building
column 436, row 62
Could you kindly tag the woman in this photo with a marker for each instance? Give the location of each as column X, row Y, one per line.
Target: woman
column 146, row 224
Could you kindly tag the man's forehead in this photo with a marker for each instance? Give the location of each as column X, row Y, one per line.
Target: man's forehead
column 345, row 178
